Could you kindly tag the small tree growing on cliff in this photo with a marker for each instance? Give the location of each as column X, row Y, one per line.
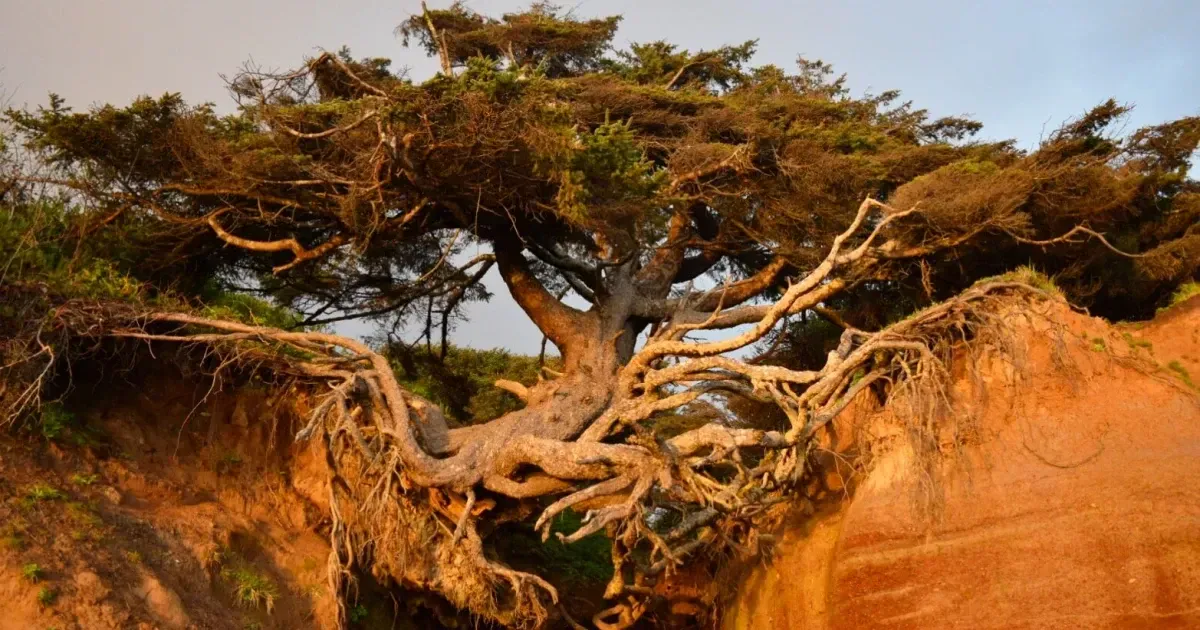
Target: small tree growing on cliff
column 622, row 178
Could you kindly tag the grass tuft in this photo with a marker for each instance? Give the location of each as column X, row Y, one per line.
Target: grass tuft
column 1185, row 292
column 251, row 589
column 1028, row 275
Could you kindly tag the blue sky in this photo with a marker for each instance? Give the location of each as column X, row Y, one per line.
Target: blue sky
column 1021, row 67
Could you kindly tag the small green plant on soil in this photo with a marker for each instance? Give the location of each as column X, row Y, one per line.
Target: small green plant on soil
column 84, row 480
column 44, row 492
column 46, row 596
column 134, row 556
column 1182, row 373
column 358, row 613
column 55, row 420
column 1136, row 343
column 32, row 572
column 60, row 425
column 1098, row 345
column 12, row 537
column 251, row 589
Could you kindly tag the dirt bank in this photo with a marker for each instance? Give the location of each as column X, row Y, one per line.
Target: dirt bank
column 1073, row 501
column 160, row 504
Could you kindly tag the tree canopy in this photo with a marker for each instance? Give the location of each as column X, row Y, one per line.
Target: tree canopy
column 625, row 178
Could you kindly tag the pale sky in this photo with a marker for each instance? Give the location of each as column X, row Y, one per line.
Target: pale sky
column 1019, row 66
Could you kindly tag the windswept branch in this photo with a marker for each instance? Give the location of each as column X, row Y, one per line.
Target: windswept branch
column 300, row 253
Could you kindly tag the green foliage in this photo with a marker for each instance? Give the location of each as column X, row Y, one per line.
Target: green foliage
column 607, row 168
column 1027, row 275
column 1136, row 343
column 1098, row 345
column 540, row 37
column 44, row 492
column 582, row 563
column 55, row 420
column 248, row 309
column 1182, row 373
column 47, row 596
column 43, row 243
column 32, row 572
column 464, row 383
column 84, row 480
column 250, row 588
column 13, row 540
column 358, row 614
column 58, row 424
column 1185, row 292
column 84, row 515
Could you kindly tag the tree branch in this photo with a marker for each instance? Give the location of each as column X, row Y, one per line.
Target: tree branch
column 288, row 244
column 555, row 319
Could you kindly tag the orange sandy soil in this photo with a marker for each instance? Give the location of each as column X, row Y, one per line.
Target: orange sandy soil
column 1073, row 500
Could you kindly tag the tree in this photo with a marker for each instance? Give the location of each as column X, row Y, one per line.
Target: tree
column 628, row 179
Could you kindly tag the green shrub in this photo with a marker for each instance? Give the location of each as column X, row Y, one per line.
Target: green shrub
column 584, row 562
column 222, row 304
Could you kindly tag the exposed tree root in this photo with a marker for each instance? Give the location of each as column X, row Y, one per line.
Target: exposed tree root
column 583, row 439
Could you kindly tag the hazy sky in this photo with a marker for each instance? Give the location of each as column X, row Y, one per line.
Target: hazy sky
column 1020, row 66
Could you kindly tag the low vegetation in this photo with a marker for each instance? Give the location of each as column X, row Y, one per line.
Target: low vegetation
column 1177, row 368
column 251, row 588
column 44, row 492
column 32, row 572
